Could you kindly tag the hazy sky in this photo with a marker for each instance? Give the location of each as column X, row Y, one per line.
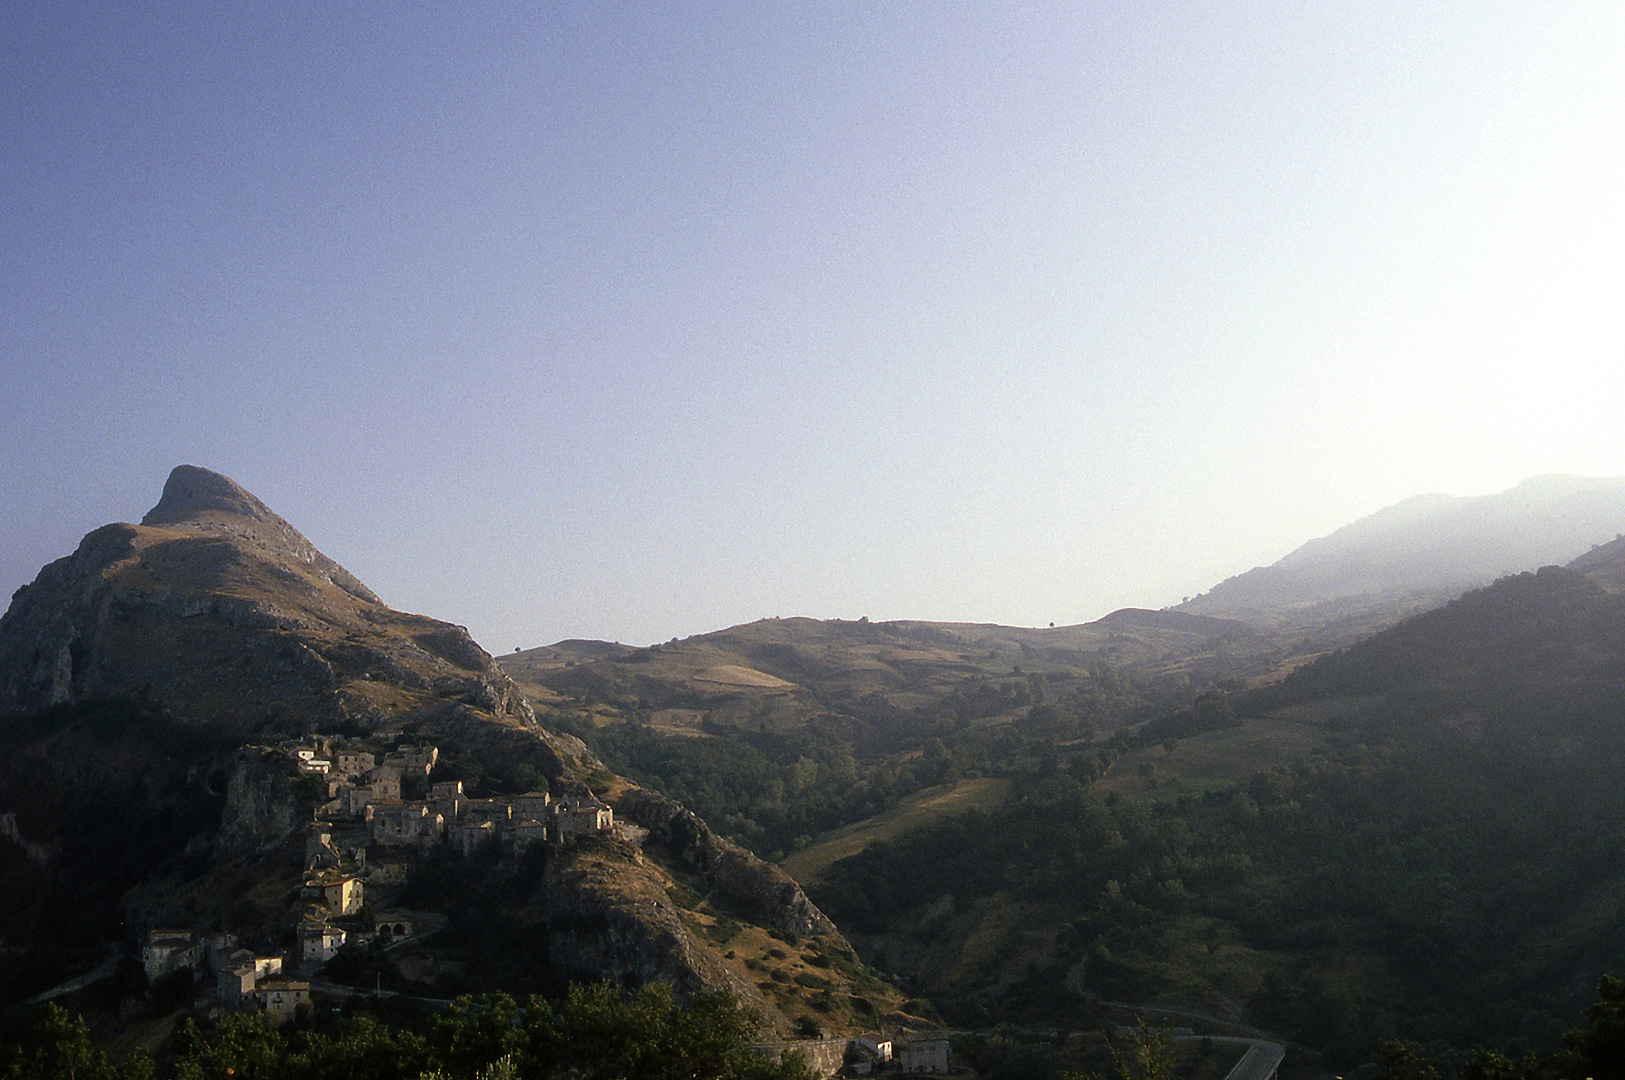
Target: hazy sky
column 634, row 320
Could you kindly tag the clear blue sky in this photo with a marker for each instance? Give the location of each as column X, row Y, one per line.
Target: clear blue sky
column 641, row 320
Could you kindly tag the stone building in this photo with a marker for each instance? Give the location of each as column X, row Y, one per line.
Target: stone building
column 343, row 894
column 319, row 942
column 533, row 806
column 280, row 999
column 353, row 763
column 923, row 1054
column 446, row 799
column 405, row 823
column 523, row 834
column 492, row 810
column 467, row 837
column 413, row 760
column 578, row 815
column 168, row 951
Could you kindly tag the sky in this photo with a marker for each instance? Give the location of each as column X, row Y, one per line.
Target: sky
column 636, row 321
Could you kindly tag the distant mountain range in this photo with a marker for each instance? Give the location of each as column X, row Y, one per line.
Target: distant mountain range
column 1421, row 552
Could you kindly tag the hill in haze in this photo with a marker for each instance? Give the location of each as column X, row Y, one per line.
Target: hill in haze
column 1421, row 552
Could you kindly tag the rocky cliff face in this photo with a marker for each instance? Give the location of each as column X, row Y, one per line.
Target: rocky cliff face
column 767, row 893
column 263, row 807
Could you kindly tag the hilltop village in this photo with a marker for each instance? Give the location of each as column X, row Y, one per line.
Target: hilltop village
column 365, row 836
column 361, row 844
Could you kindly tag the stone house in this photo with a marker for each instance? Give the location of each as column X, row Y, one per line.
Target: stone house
column 353, row 799
column 385, row 784
column 280, row 999
column 492, row 810
column 923, row 1054
column 467, row 837
column 168, row 951
column 413, row 760
column 319, row 942
column 343, row 895
column 380, row 787
column 219, row 951
column 388, row 873
column 523, row 834
column 576, row 816
column 234, row 986
column 533, row 806
column 405, row 823
column 446, row 799
column 353, row 763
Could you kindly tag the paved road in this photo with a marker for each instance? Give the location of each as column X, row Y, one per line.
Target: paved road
column 101, row 971
column 1259, row 1062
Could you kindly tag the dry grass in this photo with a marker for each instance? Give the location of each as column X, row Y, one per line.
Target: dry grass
column 737, row 675
column 917, row 810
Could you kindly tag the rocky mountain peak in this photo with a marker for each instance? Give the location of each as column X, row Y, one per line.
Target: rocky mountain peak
column 219, row 611
column 203, row 501
column 191, row 493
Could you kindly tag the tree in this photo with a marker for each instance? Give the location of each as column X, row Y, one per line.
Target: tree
column 1402, row 1061
column 57, row 1047
column 1598, row 1050
column 241, row 1047
column 1138, row 1053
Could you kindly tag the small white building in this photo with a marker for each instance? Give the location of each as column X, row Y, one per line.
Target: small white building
column 874, row 1046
